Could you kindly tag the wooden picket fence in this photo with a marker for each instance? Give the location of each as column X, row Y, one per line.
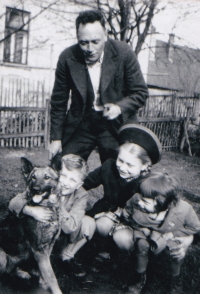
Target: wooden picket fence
column 24, row 126
column 168, row 130
column 165, row 114
column 24, row 115
column 168, row 106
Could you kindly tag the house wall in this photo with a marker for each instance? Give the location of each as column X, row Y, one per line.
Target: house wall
column 49, row 35
column 144, row 56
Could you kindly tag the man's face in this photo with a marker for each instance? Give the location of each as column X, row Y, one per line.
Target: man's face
column 69, row 181
column 128, row 165
column 91, row 39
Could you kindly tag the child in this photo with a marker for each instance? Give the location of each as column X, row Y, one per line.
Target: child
column 155, row 217
column 76, row 227
column 139, row 149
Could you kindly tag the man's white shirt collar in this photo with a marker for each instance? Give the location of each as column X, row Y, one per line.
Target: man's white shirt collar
column 99, row 61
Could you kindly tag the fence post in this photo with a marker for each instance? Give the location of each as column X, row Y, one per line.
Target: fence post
column 47, row 125
column 174, row 104
column 1, row 92
column 185, row 130
column 196, row 110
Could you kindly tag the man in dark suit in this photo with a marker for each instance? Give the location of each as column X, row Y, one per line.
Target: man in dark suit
column 104, row 81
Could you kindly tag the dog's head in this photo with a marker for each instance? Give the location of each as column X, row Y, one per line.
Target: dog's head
column 39, row 179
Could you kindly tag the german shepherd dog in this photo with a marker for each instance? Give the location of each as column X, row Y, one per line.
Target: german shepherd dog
column 42, row 190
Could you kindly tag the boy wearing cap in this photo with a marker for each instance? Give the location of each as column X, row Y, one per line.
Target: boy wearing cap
column 139, row 149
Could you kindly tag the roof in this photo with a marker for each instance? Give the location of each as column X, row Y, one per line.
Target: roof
column 175, row 68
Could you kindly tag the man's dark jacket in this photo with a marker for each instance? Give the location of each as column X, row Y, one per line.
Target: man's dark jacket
column 121, row 83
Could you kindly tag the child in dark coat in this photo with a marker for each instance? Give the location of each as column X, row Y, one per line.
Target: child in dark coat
column 139, row 149
column 120, row 178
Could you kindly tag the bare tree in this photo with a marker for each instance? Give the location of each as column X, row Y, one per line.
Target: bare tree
column 129, row 20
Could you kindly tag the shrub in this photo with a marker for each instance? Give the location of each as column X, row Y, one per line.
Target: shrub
column 194, row 138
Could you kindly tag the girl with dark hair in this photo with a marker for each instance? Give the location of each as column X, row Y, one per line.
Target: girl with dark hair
column 152, row 219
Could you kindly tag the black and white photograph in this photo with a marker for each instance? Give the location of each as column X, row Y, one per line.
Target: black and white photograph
column 99, row 147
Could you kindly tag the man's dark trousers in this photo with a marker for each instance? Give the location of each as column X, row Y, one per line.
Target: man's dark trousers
column 93, row 131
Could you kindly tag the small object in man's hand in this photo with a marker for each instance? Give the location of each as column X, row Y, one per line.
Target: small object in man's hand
column 106, row 109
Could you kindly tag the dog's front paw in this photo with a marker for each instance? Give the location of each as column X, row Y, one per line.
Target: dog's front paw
column 22, row 274
column 43, row 284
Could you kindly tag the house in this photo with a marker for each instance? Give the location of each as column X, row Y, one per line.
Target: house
column 32, row 35
column 174, row 68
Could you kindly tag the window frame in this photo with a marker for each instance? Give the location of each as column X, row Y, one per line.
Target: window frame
column 13, row 31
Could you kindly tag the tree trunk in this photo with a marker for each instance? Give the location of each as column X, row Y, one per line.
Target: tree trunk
column 142, row 36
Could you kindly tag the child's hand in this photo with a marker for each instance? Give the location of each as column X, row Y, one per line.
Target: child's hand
column 118, row 212
column 145, row 231
column 64, row 213
column 39, row 213
column 125, row 214
column 161, row 215
column 168, row 236
column 178, row 251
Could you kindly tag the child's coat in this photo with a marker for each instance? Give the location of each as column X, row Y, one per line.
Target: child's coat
column 180, row 219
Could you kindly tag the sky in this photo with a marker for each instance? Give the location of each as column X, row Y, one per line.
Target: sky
column 182, row 18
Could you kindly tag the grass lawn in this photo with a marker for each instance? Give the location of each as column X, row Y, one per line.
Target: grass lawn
column 185, row 167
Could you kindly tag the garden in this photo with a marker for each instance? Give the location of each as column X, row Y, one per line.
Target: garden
column 183, row 166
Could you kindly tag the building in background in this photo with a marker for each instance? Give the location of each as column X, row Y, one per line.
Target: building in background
column 32, row 35
column 174, row 68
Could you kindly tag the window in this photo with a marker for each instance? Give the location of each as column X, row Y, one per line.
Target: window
column 16, row 31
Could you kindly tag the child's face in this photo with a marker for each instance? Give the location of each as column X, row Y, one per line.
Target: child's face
column 147, row 204
column 128, row 165
column 70, row 180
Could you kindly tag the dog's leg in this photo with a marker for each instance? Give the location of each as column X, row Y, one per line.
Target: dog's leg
column 46, row 270
column 8, row 263
column 22, row 274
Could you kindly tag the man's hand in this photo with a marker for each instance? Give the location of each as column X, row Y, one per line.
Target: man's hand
column 39, row 213
column 54, row 148
column 111, row 111
column 178, row 251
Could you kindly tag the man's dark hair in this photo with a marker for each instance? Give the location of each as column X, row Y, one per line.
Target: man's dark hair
column 90, row 16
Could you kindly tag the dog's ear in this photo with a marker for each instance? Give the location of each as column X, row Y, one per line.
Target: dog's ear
column 26, row 167
column 56, row 163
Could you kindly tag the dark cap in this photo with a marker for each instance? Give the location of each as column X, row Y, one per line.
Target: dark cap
column 143, row 137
